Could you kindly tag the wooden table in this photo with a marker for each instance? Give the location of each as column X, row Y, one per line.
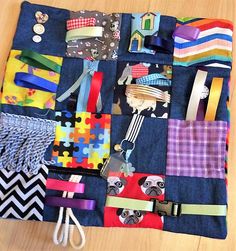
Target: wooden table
column 22, row 236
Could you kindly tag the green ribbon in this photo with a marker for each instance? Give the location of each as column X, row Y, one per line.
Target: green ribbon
column 37, row 60
column 190, row 209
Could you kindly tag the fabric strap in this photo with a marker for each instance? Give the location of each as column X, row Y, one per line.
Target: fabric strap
column 84, row 33
column 71, row 203
column 195, row 97
column 158, row 44
column 61, row 185
column 80, row 22
column 31, row 81
column 96, row 85
column 37, row 60
column 134, row 128
column 214, row 98
column 142, row 205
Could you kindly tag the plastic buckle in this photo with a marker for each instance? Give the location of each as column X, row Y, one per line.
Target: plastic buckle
column 166, row 208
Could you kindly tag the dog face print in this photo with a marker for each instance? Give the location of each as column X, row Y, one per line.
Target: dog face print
column 152, row 185
column 127, row 216
column 115, row 185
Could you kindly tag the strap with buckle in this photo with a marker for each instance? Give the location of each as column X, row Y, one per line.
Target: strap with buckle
column 166, row 208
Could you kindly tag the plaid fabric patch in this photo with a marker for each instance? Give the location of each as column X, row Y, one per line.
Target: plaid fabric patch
column 76, row 23
column 196, row 148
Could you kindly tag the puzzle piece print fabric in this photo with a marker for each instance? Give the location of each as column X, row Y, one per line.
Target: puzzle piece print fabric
column 24, row 96
column 140, row 186
column 141, row 73
column 82, row 140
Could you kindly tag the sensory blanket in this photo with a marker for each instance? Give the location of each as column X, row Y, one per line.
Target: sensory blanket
column 121, row 120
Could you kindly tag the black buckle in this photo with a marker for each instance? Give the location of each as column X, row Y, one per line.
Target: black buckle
column 166, row 208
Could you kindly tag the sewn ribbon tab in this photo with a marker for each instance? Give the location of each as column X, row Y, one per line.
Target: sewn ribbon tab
column 158, row 44
column 71, row 203
column 84, row 33
column 195, row 97
column 37, row 60
column 214, row 98
column 95, row 88
column 31, row 81
column 186, row 32
column 62, row 185
column 76, row 23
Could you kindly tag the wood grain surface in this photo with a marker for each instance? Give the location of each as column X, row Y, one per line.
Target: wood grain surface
column 37, row 236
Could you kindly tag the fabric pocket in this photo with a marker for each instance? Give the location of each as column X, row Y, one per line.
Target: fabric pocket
column 22, row 194
column 196, row 148
column 27, row 96
column 213, row 47
column 82, row 140
column 157, row 77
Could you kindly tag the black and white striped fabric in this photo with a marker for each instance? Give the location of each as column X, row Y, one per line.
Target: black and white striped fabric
column 22, row 194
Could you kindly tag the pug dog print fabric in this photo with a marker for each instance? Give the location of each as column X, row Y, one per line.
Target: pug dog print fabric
column 141, row 73
column 139, row 186
column 98, row 48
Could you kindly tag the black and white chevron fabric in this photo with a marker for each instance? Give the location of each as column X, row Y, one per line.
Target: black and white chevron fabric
column 22, row 194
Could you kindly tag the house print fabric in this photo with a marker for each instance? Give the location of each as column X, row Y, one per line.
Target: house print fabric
column 143, row 25
column 139, row 99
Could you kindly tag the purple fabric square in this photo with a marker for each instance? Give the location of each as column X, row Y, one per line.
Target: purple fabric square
column 196, row 148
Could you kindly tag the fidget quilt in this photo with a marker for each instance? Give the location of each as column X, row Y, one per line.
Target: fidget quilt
column 116, row 120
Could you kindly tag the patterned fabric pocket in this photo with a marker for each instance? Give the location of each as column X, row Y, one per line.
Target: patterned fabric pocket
column 156, row 76
column 82, row 140
column 213, row 47
column 22, row 194
column 95, row 48
column 196, row 148
column 25, row 96
column 140, row 186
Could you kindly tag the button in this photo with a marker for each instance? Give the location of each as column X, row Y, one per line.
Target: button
column 37, row 39
column 117, row 148
column 38, row 29
column 40, row 17
column 204, row 93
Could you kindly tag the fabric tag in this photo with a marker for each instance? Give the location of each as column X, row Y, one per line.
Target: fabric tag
column 196, row 148
column 82, row 140
column 16, row 95
column 140, row 186
column 155, row 75
column 213, row 47
column 143, row 25
column 22, row 194
column 103, row 48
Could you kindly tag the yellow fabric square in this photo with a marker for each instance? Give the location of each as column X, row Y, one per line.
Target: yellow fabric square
column 15, row 95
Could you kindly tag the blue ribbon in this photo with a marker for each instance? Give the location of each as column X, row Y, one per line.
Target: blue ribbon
column 158, row 44
column 31, row 81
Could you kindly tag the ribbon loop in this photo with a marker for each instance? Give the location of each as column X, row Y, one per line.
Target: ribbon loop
column 84, row 33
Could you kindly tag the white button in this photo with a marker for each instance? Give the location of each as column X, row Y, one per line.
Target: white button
column 38, row 29
column 36, row 38
column 204, row 93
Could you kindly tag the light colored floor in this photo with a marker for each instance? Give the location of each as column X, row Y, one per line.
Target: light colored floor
column 19, row 236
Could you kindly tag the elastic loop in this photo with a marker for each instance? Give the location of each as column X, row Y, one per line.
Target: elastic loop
column 37, row 60
column 158, row 44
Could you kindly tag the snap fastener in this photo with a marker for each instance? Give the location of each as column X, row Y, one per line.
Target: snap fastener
column 38, row 29
column 205, row 92
column 36, row 38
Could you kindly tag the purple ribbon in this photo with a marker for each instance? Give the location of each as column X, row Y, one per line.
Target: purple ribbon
column 71, row 203
column 186, row 32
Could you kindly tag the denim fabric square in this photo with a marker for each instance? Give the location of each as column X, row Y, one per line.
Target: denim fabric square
column 182, row 84
column 95, row 189
column 196, row 191
column 149, row 154
column 53, row 39
column 196, row 148
column 143, row 74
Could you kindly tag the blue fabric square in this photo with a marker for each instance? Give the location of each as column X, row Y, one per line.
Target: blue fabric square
column 95, row 189
column 196, row 191
column 53, row 40
column 167, row 26
column 149, row 155
column 182, row 84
